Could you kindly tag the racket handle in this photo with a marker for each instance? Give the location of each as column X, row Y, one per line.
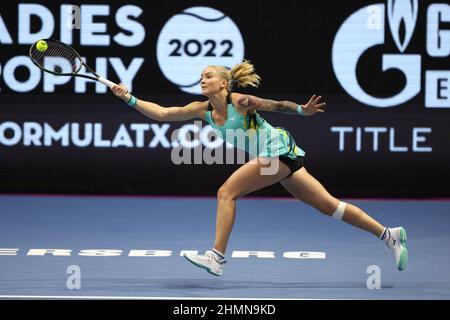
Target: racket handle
column 106, row 82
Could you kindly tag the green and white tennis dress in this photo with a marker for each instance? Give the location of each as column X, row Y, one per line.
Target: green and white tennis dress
column 257, row 137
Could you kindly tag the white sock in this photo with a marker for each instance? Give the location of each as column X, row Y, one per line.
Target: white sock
column 219, row 254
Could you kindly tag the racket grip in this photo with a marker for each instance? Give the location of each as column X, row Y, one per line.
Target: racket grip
column 106, row 82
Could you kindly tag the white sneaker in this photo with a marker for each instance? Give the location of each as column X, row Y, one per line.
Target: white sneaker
column 209, row 261
column 396, row 243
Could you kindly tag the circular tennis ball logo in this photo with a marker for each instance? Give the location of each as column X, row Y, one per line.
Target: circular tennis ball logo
column 41, row 45
column 194, row 39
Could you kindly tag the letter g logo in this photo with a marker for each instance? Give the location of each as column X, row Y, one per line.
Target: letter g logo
column 355, row 37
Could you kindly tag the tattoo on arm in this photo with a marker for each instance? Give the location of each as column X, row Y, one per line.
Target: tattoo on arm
column 272, row 105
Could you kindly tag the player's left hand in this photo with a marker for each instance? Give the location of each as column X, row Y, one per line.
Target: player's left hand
column 313, row 106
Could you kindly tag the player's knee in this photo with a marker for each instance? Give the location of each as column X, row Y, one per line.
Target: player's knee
column 339, row 210
column 329, row 206
column 225, row 194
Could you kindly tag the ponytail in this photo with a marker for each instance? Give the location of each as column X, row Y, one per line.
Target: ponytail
column 243, row 74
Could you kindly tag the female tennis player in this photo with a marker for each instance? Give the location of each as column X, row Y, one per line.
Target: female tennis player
column 226, row 110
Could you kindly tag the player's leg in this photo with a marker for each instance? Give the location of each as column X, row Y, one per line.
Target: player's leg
column 250, row 177
column 306, row 188
column 254, row 175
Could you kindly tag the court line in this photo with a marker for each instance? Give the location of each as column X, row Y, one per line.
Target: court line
column 141, row 298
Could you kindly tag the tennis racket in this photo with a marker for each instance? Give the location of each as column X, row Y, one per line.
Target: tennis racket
column 61, row 59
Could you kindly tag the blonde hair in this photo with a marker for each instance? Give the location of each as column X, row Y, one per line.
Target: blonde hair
column 243, row 74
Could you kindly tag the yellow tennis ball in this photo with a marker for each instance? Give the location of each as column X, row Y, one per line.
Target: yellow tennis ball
column 41, row 45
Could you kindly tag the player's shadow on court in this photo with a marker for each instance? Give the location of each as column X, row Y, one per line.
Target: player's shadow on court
column 220, row 284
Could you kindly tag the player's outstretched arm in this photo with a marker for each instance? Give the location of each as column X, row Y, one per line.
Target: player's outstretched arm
column 156, row 112
column 249, row 102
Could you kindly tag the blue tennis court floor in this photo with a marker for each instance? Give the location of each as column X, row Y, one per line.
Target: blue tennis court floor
column 129, row 247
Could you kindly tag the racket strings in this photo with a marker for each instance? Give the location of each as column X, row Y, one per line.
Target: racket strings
column 56, row 50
